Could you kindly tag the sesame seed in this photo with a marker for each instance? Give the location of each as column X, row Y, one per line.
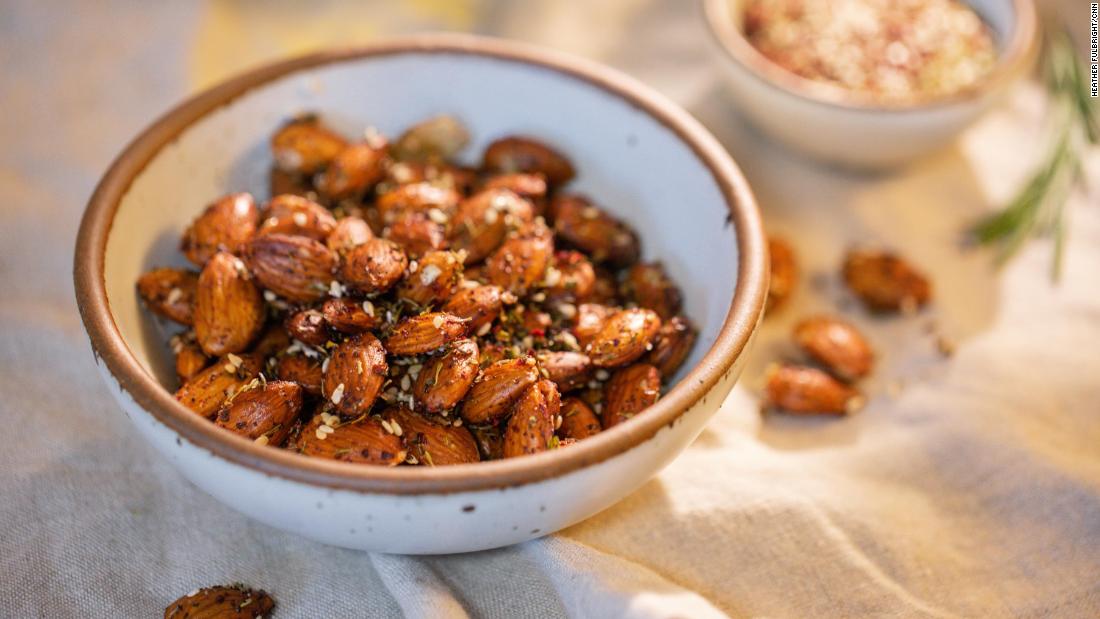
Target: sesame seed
column 405, row 383
column 269, row 296
column 324, row 364
column 538, row 297
column 430, row 274
column 337, row 394
column 300, row 219
column 387, row 427
column 396, row 427
column 602, row 374
column 229, row 368
column 174, row 295
column 490, row 216
column 484, row 329
column 235, row 360
column 413, row 266
column 437, row 216
column 437, row 321
column 261, row 440
column 368, row 307
column 567, row 310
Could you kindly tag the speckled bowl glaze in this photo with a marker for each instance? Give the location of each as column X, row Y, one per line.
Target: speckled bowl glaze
column 637, row 153
column 841, row 127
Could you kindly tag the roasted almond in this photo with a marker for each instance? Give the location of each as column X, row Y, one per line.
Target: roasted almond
column 295, row 267
column 431, row 443
column 291, row 214
column 482, row 221
column 630, row 391
column 497, row 388
column 530, row 187
column 363, row 440
column 784, row 273
column 302, row 370
column 374, row 266
column 672, row 346
column 349, row 315
column 649, row 286
column 206, row 392
column 443, row 381
column 836, row 344
column 478, row 305
column 221, row 602
column 435, row 279
column 569, row 370
column 439, row 173
column 229, row 309
column 624, row 337
column 416, row 232
column 578, row 421
column 423, row 197
column 264, row 413
column 530, row 429
column 594, row 231
column 885, row 282
column 272, row 341
column 519, row 264
column 305, row 146
column 570, row 278
column 521, row 154
column 355, row 373
column 424, row 333
column 349, row 233
column 353, row 171
column 225, row 225
column 806, row 390
column 308, row 326
column 437, row 138
column 190, row 360
column 590, row 320
column 169, row 293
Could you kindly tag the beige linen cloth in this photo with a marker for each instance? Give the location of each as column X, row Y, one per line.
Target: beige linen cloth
column 970, row 485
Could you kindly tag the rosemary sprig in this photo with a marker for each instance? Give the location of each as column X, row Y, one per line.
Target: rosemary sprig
column 1039, row 208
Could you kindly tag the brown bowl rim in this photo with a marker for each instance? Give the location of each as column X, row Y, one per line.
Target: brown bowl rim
column 1013, row 60
column 111, row 349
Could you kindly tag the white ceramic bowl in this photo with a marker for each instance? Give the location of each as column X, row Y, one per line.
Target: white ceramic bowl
column 841, row 127
column 637, row 153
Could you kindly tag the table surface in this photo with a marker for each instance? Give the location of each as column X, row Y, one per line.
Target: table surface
column 969, row 486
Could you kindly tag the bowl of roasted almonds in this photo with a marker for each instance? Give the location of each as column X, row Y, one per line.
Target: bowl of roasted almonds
column 870, row 84
column 434, row 295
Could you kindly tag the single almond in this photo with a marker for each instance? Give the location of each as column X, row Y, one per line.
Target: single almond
column 590, row 320
column 374, row 266
column 355, row 373
column 522, row 154
column 530, row 187
column 497, row 388
column 208, row 389
column 578, row 421
column 629, row 392
column 225, row 225
column 885, row 282
column 437, row 138
column 571, row 277
column 349, row 233
column 519, row 263
column 435, row 280
column 302, row 370
column 530, row 429
column 169, row 293
column 267, row 411
column 349, row 315
column 784, row 273
column 305, row 146
column 416, row 232
column 673, row 344
column 482, row 221
column 295, row 215
column 190, row 360
column 809, row 391
column 569, row 370
column 478, row 305
column 424, row 333
column 444, row 380
column 432, row 443
column 836, row 344
column 624, row 337
column 229, row 308
column 295, row 267
column 272, row 341
column 353, row 171
column 420, row 197
column 649, row 286
column 363, row 440
column 587, row 227
column 308, row 326
column 222, row 602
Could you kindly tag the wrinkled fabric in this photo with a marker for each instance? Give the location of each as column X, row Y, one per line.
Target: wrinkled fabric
column 968, row 486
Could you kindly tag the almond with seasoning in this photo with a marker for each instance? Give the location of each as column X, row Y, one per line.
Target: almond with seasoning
column 349, row 233
column 169, row 293
column 630, row 391
column 589, row 321
column 302, row 370
column 478, row 305
column 444, row 381
column 308, row 326
column 264, row 413
column 206, row 392
column 597, row 233
column 837, row 345
column 435, row 280
column 272, row 341
column 190, row 360
column 291, row 214
column 649, row 286
column 416, row 233
column 497, row 388
column 421, row 197
column 530, row 187
column 229, row 309
column 353, row 171
column 374, row 266
column 530, row 429
column 363, row 440
column 672, row 346
column 431, row 443
column 624, row 337
column 225, row 225
column 570, row 278
column 519, row 264
column 784, row 273
column 482, row 221
column 437, row 138
column 578, row 421
column 522, row 154
column 295, row 267
column 424, row 333
column 305, row 146
column 885, row 282
column 221, row 602
column 809, row 391
column 355, row 373
column 348, row 315
column 569, row 370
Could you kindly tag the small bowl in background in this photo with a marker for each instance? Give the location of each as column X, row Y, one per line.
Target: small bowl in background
column 846, row 128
